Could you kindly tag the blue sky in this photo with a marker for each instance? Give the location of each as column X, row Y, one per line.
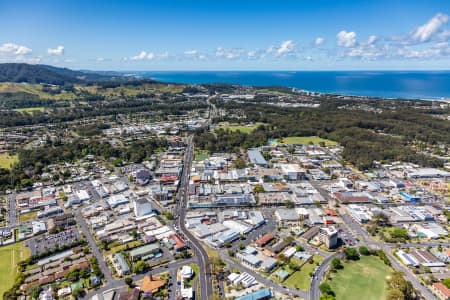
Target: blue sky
column 227, row 35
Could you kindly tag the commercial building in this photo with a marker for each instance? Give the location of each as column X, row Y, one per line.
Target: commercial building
column 142, row 207
column 328, row 236
column 265, row 239
column 263, row 294
column 256, row 158
column 441, row 291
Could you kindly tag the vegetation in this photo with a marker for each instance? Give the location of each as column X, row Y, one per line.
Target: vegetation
column 10, row 256
column 399, row 287
column 308, row 140
column 361, row 279
column 7, row 161
column 351, row 254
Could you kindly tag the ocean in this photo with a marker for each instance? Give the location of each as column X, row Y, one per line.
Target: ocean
column 431, row 85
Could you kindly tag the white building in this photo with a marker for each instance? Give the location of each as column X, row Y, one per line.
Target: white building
column 142, row 207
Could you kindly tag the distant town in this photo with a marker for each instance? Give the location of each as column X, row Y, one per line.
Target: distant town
column 144, row 190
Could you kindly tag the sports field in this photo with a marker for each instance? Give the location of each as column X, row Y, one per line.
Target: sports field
column 30, row 109
column 6, row 160
column 305, row 140
column 9, row 257
column 241, row 128
column 362, row 279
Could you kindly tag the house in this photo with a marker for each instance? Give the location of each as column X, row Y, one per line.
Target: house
column 151, row 284
column 441, row 291
column 265, row 239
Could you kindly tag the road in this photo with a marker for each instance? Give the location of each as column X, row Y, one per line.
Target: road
column 205, row 280
column 314, row 292
column 93, row 246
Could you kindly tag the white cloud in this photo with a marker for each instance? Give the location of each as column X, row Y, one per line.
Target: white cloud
column 229, row 53
column 286, row 47
column 56, row 51
column 14, row 49
column 100, row 59
column 143, row 55
column 346, row 39
column 191, row 52
column 426, row 31
column 319, row 41
column 372, row 39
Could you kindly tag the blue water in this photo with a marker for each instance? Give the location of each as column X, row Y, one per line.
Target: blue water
column 386, row 84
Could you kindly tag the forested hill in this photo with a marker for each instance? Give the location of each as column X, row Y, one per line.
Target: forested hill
column 20, row 72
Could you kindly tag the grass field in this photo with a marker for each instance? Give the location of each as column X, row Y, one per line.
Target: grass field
column 363, row 279
column 305, row 140
column 301, row 279
column 29, row 110
column 27, row 216
column 241, row 128
column 9, row 257
column 6, row 160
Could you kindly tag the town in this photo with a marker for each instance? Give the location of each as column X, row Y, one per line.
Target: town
column 289, row 218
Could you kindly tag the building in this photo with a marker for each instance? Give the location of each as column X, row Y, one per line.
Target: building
column 441, row 291
column 292, row 171
column 285, row 215
column 143, row 176
column 265, row 239
column 263, row 294
column 121, row 264
column 328, row 236
column 187, row 272
column 249, row 259
column 144, row 252
column 256, row 158
column 142, row 207
column 151, row 284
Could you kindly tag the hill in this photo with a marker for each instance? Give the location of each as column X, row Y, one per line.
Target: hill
column 20, row 72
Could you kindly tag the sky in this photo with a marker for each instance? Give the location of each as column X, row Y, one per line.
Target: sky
column 227, row 35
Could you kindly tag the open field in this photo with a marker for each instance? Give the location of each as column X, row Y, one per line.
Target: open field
column 27, row 216
column 35, row 89
column 301, row 279
column 241, row 128
column 30, row 109
column 9, row 257
column 363, row 279
column 305, row 140
column 6, row 160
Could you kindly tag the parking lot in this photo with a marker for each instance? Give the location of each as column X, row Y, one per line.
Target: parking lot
column 50, row 242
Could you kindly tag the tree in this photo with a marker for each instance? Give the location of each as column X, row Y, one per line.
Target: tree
column 446, row 282
column 325, row 289
column 351, row 253
column 129, row 281
column 336, row 264
column 140, row 267
column 364, row 251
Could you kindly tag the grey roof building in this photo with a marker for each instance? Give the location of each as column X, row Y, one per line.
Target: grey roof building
column 256, row 157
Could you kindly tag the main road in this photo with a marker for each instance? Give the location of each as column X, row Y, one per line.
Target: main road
column 206, row 288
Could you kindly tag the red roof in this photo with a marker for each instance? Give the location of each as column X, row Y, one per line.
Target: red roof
column 442, row 288
column 264, row 239
column 179, row 243
column 169, row 178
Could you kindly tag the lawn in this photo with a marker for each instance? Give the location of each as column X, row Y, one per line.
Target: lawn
column 305, row 140
column 241, row 128
column 27, row 216
column 30, row 109
column 196, row 270
column 363, row 279
column 201, row 155
column 6, row 160
column 301, row 279
column 9, row 257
